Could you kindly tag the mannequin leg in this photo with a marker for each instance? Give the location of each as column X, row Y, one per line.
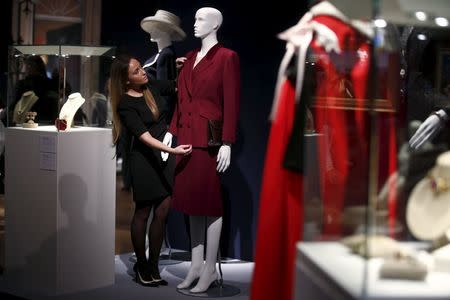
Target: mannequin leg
column 209, row 274
column 197, row 229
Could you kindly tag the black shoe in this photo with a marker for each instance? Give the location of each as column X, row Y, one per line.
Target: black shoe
column 143, row 276
column 156, row 276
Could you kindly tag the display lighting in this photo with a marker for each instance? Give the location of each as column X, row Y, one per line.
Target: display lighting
column 422, row 37
column 421, row 16
column 440, row 21
column 380, row 23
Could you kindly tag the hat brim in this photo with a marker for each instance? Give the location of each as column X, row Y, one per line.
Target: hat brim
column 148, row 23
column 427, row 213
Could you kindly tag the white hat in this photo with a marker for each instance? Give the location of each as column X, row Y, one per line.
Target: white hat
column 428, row 210
column 166, row 20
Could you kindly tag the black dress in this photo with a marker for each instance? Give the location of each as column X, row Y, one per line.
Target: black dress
column 151, row 178
column 161, row 66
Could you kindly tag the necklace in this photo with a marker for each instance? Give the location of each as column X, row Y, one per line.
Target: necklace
column 438, row 184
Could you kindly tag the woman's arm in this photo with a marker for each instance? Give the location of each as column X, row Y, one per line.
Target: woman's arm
column 131, row 120
column 149, row 140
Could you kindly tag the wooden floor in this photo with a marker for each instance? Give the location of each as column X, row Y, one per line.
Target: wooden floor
column 124, row 213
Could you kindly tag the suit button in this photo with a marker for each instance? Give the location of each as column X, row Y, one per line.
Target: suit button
column 189, row 126
column 189, row 113
column 180, row 126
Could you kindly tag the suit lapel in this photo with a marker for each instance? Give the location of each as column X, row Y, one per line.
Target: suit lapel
column 187, row 70
column 203, row 64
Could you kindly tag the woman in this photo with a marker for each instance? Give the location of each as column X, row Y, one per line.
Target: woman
column 139, row 109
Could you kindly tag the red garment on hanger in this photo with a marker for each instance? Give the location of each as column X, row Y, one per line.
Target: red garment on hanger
column 342, row 119
column 280, row 223
column 341, row 114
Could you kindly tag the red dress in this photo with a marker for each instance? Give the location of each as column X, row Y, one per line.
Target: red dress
column 280, row 223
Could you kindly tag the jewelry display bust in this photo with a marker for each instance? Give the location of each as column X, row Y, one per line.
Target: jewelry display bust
column 67, row 113
column 427, row 213
column 23, row 106
column 29, row 120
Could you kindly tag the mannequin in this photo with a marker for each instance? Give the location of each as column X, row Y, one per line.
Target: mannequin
column 208, row 88
column 67, row 112
column 164, row 29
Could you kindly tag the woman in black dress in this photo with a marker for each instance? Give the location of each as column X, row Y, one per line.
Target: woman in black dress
column 139, row 109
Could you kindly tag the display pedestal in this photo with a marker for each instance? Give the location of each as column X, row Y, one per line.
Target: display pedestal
column 328, row 270
column 59, row 209
column 214, row 291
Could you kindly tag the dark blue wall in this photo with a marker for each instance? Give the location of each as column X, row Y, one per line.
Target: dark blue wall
column 251, row 32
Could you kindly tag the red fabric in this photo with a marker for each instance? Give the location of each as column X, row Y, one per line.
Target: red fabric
column 194, row 193
column 208, row 91
column 211, row 90
column 344, row 152
column 280, row 222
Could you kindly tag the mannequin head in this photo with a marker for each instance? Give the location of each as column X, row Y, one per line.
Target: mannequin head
column 207, row 22
column 158, row 33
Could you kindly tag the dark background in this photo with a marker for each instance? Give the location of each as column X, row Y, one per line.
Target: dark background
column 251, row 32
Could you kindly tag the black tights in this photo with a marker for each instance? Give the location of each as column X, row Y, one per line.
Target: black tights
column 155, row 233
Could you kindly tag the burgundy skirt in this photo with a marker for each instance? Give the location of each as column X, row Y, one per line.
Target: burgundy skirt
column 197, row 190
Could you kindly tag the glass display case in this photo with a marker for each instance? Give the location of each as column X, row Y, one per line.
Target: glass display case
column 376, row 161
column 41, row 79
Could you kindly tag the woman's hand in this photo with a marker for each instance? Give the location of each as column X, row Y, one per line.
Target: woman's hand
column 179, row 62
column 182, row 150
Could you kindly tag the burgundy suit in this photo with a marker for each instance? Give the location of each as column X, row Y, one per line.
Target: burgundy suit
column 208, row 91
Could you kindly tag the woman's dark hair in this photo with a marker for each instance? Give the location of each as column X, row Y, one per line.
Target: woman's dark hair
column 35, row 66
column 119, row 86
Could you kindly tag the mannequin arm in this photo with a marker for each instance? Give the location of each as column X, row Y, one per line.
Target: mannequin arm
column 428, row 129
column 167, row 141
column 223, row 158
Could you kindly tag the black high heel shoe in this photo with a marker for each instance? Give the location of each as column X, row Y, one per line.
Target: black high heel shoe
column 143, row 276
column 154, row 271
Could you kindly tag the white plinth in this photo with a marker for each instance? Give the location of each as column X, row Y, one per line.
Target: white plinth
column 60, row 209
column 328, row 270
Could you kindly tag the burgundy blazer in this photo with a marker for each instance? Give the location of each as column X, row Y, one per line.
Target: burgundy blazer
column 211, row 90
